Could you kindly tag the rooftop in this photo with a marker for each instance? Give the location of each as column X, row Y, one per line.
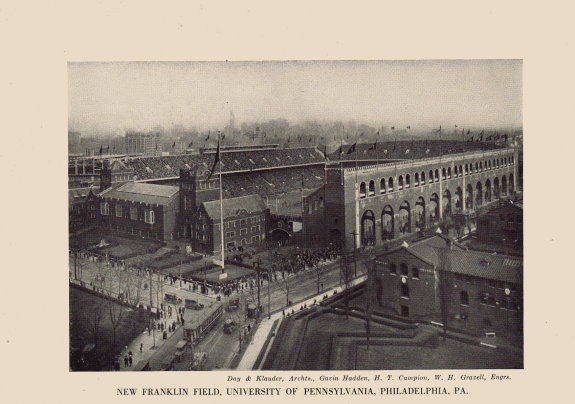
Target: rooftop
column 142, row 192
column 234, row 206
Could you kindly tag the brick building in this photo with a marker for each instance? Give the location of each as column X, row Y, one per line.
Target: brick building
column 147, row 144
column 502, row 224
column 245, row 217
column 140, row 209
column 435, row 279
column 368, row 201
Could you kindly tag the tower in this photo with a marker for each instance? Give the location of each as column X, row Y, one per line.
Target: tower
column 195, row 189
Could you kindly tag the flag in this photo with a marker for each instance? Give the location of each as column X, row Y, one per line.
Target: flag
column 174, row 145
column 352, row 148
column 101, row 150
column 208, row 138
column 224, row 136
column 216, row 159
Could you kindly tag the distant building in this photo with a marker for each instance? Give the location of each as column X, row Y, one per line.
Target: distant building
column 140, row 209
column 147, row 144
column 437, row 280
column 114, row 173
column 81, row 207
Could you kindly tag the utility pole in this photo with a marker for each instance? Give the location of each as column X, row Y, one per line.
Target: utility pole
column 269, row 304
column 258, row 281
column 354, row 250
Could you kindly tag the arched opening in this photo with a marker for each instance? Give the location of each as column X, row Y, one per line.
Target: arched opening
column 423, row 178
column 458, row 199
column 368, row 228
column 503, row 186
column 362, row 190
column 496, row 190
column 443, row 173
column 280, row 236
column 400, row 182
column 478, row 194
column 446, row 203
column 434, row 209
column 455, row 172
column 460, row 170
column 404, row 290
column 448, row 172
column 420, row 214
column 407, row 181
column 405, row 218
column 430, row 176
column 469, row 197
column 436, row 175
column 511, row 184
column 382, row 186
column 371, row 188
column 387, row 223
column 390, row 184
column 487, row 190
column 464, row 298
column 416, row 180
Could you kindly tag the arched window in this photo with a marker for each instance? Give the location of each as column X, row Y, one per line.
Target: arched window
column 382, row 186
column 423, row 178
column 393, row 269
column 362, row 190
column 416, row 183
column 466, row 169
column 430, row 176
column 404, row 290
column 443, row 173
column 321, row 201
column 371, row 188
column 481, row 166
column 476, row 166
column 403, row 269
column 460, row 170
column 390, row 184
column 407, row 181
column 436, row 175
column 464, row 298
column 400, row 182
column 455, row 172
column 448, row 172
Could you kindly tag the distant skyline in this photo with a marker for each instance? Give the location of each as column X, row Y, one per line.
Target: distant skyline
column 110, row 98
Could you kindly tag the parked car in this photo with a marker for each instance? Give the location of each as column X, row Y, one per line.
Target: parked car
column 193, row 304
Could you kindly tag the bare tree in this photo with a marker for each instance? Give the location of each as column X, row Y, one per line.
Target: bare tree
column 116, row 313
column 94, row 324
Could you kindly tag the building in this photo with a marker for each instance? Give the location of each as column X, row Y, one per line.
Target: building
column 437, row 280
column 502, row 224
column 245, row 217
column 369, row 201
column 82, row 205
column 140, row 209
column 114, row 173
column 147, row 144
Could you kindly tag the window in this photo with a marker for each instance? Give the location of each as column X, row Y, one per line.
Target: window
column 448, row 172
column 407, row 181
column 255, row 229
column 243, row 222
column 149, row 217
column 423, row 178
column 133, row 213
column 400, row 182
column 104, row 208
column 243, row 231
column 404, row 311
column 443, row 173
column 430, row 176
column 362, row 190
column 371, row 188
column 464, row 298
column 255, row 238
column 231, row 234
column 390, row 184
column 320, row 205
column 92, row 212
column 119, row 211
column 404, row 291
column 231, row 244
column 437, row 175
column 393, row 269
column 416, row 182
column 415, row 273
column 403, row 269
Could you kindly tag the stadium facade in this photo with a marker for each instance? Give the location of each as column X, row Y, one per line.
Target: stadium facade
column 367, row 201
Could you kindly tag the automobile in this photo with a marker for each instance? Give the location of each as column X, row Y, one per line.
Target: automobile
column 171, row 298
column 233, row 304
column 193, row 304
column 229, row 326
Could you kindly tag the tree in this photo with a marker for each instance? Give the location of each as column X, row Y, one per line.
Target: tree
column 94, row 324
column 116, row 313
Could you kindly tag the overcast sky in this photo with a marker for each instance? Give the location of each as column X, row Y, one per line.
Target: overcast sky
column 112, row 97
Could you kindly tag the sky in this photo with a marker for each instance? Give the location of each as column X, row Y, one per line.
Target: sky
column 116, row 96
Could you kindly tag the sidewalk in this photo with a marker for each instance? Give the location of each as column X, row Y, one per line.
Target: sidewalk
column 250, row 355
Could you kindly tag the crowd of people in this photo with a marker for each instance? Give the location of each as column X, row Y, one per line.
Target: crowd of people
column 169, row 166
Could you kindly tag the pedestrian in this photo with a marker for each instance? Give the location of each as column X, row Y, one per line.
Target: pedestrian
column 130, row 360
column 141, row 347
column 130, row 354
column 125, row 361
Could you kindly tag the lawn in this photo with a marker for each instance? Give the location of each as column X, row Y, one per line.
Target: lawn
column 84, row 308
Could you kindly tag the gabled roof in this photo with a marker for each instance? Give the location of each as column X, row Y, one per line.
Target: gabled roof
column 142, row 192
column 426, row 248
column 234, row 206
column 486, row 265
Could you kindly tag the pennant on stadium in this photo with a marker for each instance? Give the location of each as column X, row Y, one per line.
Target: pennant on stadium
column 216, row 159
column 352, row 148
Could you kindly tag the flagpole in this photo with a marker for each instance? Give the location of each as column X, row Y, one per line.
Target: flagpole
column 221, row 209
